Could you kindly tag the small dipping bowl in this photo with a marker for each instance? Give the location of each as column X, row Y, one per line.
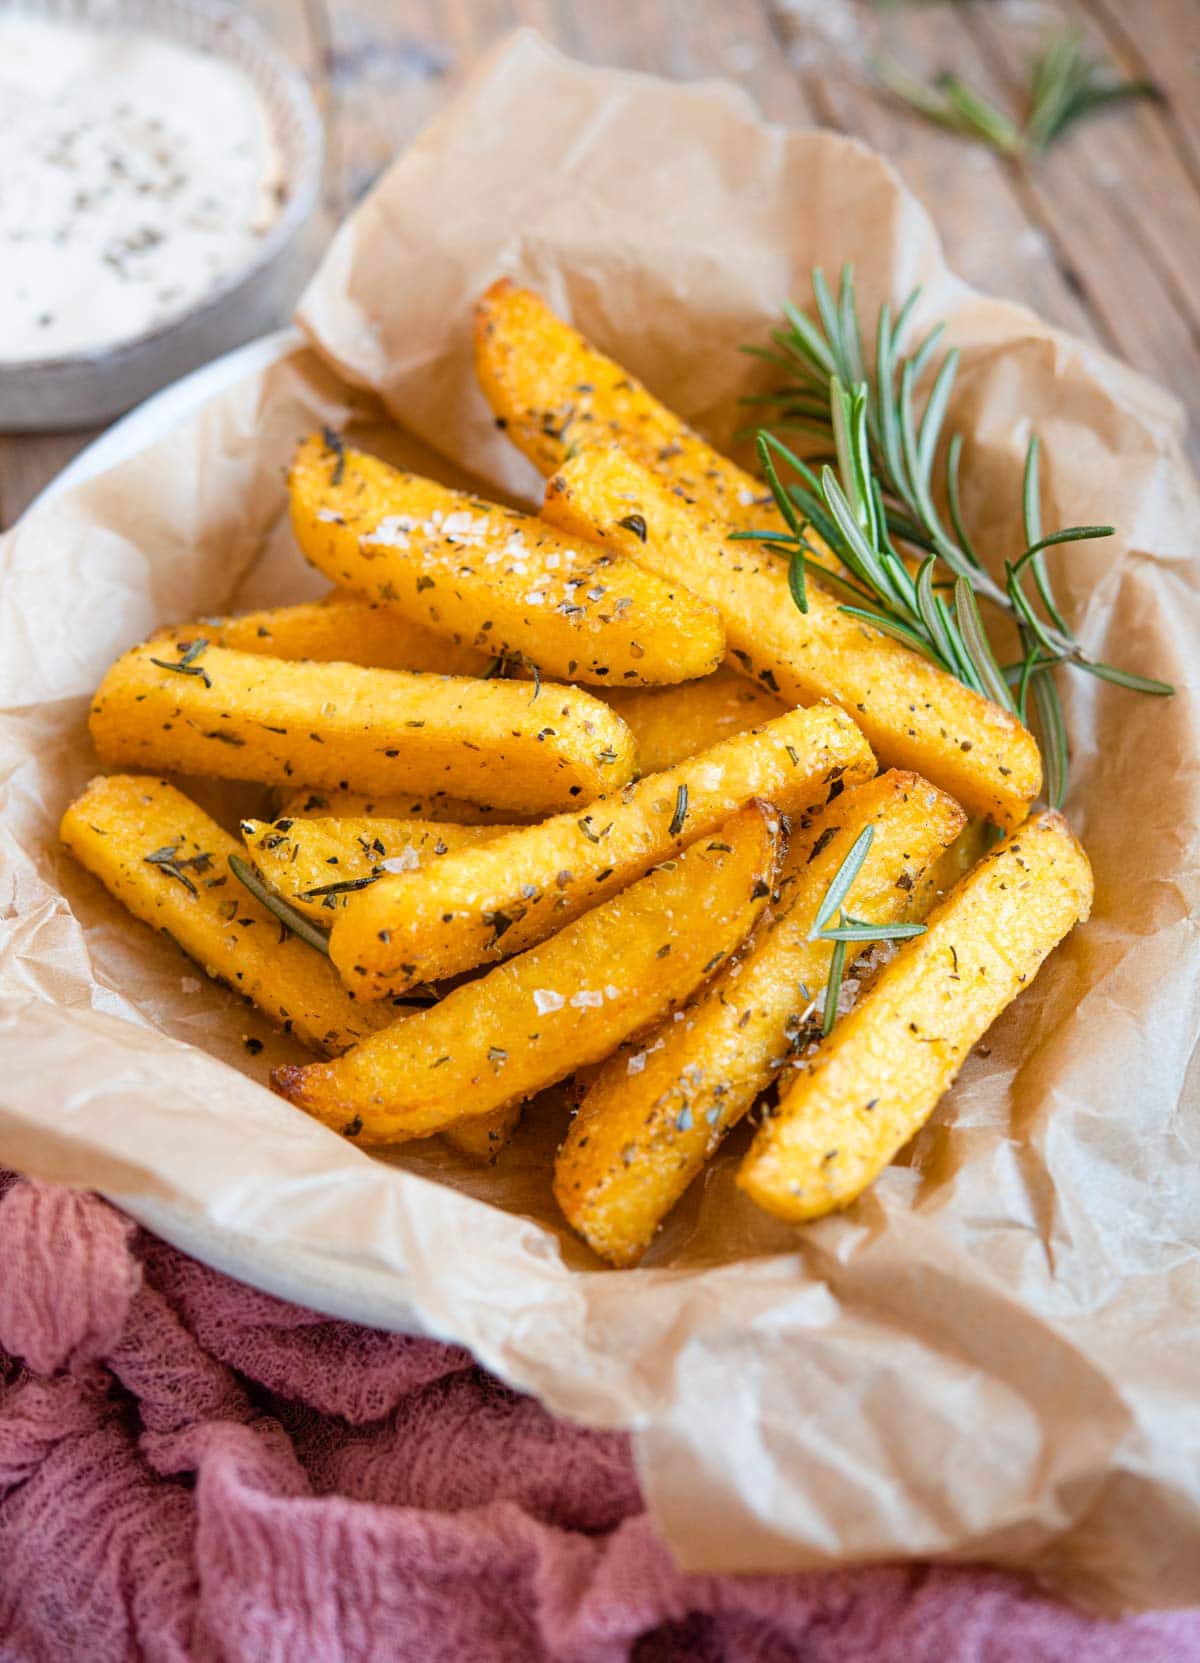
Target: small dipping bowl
column 86, row 389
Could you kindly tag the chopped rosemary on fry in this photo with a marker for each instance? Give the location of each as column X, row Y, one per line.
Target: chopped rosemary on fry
column 680, row 814
column 287, row 916
column 186, row 664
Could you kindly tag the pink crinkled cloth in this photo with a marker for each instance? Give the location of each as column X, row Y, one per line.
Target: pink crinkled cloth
column 192, row 1470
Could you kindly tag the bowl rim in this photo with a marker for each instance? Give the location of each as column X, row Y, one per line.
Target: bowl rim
column 214, row 23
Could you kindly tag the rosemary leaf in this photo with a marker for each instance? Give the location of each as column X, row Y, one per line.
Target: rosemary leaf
column 1052, row 731
column 680, row 814
column 288, row 916
column 839, row 884
column 891, row 626
column 796, row 580
column 970, row 626
column 855, row 929
column 833, row 987
column 767, row 463
column 953, row 459
column 1126, row 678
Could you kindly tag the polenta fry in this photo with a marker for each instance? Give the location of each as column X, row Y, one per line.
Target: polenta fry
column 874, row 1082
column 670, row 724
column 488, row 903
column 915, row 715
column 162, row 857
column 324, row 804
column 565, row 1003
column 649, row 1120
column 485, row 1136
column 493, row 579
column 211, row 710
column 341, row 628
column 552, row 392
column 941, row 876
column 320, row 866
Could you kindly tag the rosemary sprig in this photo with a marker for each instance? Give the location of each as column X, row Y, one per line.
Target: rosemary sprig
column 1066, row 85
column 847, row 929
column 874, row 490
column 288, row 916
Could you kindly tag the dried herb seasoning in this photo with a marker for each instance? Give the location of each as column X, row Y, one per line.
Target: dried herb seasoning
column 186, row 664
column 295, row 921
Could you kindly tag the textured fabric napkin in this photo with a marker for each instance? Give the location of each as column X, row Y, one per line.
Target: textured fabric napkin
column 190, row 1470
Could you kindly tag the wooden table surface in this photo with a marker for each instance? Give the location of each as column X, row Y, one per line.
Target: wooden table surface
column 1101, row 236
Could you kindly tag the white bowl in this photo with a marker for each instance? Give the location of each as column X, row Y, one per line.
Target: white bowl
column 85, row 389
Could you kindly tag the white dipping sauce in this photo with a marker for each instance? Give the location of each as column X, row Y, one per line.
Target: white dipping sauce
column 135, row 176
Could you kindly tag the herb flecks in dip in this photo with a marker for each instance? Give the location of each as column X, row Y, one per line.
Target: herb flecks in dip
column 139, row 174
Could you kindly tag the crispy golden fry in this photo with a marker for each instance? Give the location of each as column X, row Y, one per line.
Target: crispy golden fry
column 651, row 1118
column 552, row 391
column 874, row 1082
column 484, row 1138
column 342, row 628
column 164, row 859
column 565, row 1003
column 487, row 903
column 296, row 857
column 915, row 715
column 240, row 716
column 671, row 723
column 449, row 811
column 940, row 878
column 494, row 579
column 668, row 725
column 321, row 866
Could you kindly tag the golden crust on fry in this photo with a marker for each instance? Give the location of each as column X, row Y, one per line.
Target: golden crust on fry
column 323, row 803
column 915, row 715
column 940, row 878
column 565, row 1003
column 342, row 628
column 239, row 716
column 552, row 391
column 874, row 1082
column 321, row 866
column 670, row 724
column 651, row 1117
column 162, row 857
column 495, row 580
column 486, row 903
column 485, row 1137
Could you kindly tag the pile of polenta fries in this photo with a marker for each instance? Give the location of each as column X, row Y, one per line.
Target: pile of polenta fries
column 585, row 796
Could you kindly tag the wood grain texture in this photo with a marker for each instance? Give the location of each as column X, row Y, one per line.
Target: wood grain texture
column 1099, row 237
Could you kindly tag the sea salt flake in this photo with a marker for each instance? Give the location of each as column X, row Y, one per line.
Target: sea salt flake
column 392, row 531
column 545, row 1000
column 408, row 860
